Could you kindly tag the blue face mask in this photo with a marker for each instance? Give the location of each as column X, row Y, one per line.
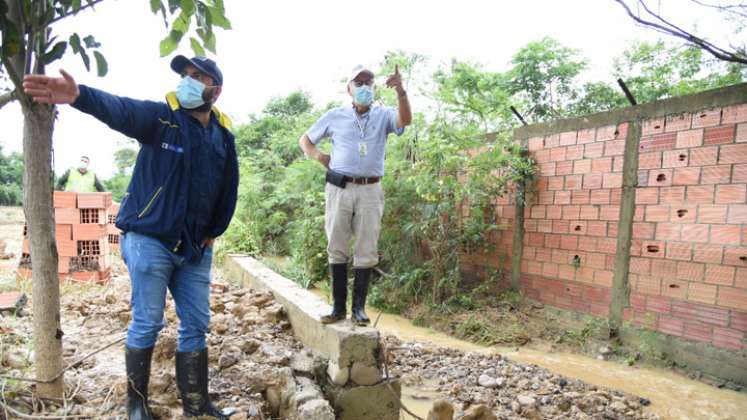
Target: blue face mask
column 189, row 93
column 363, row 95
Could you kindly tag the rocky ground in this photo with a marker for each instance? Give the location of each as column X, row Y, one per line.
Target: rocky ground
column 510, row 390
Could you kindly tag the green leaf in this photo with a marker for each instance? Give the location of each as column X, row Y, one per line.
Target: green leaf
column 90, row 42
column 169, row 44
column 75, row 43
column 76, row 5
column 188, row 7
column 101, row 66
column 11, row 40
column 181, row 24
column 155, row 6
column 218, row 18
column 86, row 59
column 55, row 53
column 196, row 47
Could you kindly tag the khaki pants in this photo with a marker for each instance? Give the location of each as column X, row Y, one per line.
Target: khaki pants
column 353, row 211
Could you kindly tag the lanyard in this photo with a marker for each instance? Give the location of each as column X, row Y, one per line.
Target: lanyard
column 362, row 130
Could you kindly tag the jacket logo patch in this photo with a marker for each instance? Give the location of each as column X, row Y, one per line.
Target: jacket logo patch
column 171, row 147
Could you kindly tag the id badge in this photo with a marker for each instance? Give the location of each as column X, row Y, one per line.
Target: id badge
column 362, row 149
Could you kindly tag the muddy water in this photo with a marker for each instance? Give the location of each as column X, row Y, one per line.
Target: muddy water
column 672, row 396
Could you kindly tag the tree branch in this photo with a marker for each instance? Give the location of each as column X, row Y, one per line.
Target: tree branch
column 671, row 29
column 7, row 98
column 87, row 6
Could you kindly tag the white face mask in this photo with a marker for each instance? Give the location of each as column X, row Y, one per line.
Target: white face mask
column 83, row 165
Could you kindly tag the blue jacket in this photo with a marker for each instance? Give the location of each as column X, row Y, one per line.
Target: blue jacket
column 158, row 201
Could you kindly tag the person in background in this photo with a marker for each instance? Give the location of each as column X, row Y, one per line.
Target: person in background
column 353, row 194
column 80, row 179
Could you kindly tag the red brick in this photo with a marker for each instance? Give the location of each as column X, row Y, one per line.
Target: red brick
column 564, row 168
column 614, row 147
column 569, row 242
column 647, row 195
column 612, row 180
column 712, row 315
column 573, row 182
column 88, row 231
column 727, row 338
column 672, row 195
column 594, row 150
column 609, row 212
column 721, row 275
column 671, row 326
column 547, row 169
column 601, row 165
column 63, row 232
column 703, row 156
column 603, row 278
column 679, row 251
column 716, row 174
column 615, row 196
column 690, row 271
column 546, row 197
column 607, row 245
column 734, row 114
column 712, row 214
column 733, row 255
column 694, row 331
column 652, row 126
column 708, row 253
column 658, row 304
column 741, row 133
column 640, row 266
column 95, row 200
column 740, row 174
column 649, row 160
column 582, row 166
column 612, row 229
column 555, row 183
column 567, row 138
column 648, row 286
column 586, row 136
column 660, row 178
column 677, row 122
column 63, row 199
column 592, row 181
column 732, row 297
column 676, row 289
column 734, row 153
column 580, row 197
column 535, row 143
column 699, row 292
column 577, row 227
column 657, row 213
column 554, row 212
column 557, row 154
column 719, row 135
column 549, row 270
column 738, row 321
column 66, row 216
column 574, row 152
column 674, row 159
column 740, row 280
column 538, row 212
column 544, row 226
column 683, row 214
column 658, row 142
column 699, row 194
column 599, row 197
column 566, row 272
column 596, row 228
column 608, row 132
column 689, row 138
column 594, row 260
column 559, row 256
column 587, row 244
column 725, row 234
column 552, row 241
column 686, row 176
column 637, row 301
column 707, row 118
column 695, row 233
column 552, row 140
column 737, row 213
column 731, row 194
column 668, row 232
column 640, row 211
column 643, row 230
column 571, row 212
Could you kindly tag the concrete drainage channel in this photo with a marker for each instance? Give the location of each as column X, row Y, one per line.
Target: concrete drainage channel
column 347, row 358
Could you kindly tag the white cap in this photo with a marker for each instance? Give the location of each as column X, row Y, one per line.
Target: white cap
column 360, row 68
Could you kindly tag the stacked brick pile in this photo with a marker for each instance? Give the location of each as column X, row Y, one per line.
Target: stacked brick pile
column 82, row 238
column 111, row 230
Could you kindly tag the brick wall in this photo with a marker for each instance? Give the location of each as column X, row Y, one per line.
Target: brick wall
column 688, row 266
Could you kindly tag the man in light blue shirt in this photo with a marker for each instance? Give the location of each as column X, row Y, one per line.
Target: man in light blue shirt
column 354, row 198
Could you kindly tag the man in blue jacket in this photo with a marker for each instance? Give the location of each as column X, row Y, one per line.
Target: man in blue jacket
column 181, row 197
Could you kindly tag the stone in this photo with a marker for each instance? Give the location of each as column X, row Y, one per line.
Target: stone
column 486, row 381
column 479, row 412
column 336, row 375
column 605, row 350
column 441, row 410
column 376, row 402
column 240, row 415
column 315, row 409
column 526, row 400
column 499, row 382
column 362, row 374
column 250, row 346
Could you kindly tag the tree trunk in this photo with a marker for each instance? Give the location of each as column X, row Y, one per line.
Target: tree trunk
column 39, row 210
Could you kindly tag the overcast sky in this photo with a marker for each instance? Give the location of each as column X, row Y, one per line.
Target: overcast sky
column 278, row 46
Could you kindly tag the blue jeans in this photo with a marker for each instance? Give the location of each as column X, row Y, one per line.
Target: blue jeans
column 153, row 269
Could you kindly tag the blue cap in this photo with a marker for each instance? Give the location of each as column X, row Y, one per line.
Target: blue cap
column 203, row 64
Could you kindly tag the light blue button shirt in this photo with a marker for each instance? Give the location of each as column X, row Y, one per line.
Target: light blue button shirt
column 358, row 141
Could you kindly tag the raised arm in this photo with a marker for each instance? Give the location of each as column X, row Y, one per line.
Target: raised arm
column 133, row 118
column 404, row 114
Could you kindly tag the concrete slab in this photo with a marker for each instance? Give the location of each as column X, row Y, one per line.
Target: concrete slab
column 342, row 343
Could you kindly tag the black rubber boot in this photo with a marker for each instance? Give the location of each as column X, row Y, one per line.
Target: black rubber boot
column 137, row 363
column 360, row 291
column 192, row 381
column 339, row 293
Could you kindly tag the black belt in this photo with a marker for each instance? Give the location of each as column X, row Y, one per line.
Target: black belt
column 362, row 179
